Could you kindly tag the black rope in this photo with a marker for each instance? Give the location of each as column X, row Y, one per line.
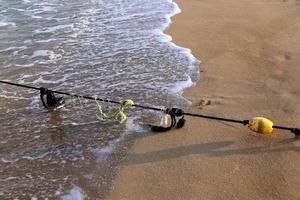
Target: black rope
column 19, row 85
column 244, row 122
column 83, row 96
column 176, row 111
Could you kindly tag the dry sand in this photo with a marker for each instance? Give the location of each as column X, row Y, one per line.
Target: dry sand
column 250, row 53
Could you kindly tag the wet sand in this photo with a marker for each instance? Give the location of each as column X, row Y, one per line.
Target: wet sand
column 250, row 53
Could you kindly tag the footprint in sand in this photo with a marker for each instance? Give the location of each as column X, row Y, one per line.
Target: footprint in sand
column 202, row 103
column 283, row 57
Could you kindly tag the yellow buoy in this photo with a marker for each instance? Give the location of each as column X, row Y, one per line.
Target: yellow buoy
column 127, row 103
column 261, row 125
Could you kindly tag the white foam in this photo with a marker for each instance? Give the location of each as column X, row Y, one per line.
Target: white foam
column 132, row 127
column 11, row 178
column 181, row 85
column 34, row 103
column 36, row 17
column 45, row 41
column 40, row 80
column 13, row 48
column 10, row 95
column 47, row 53
column 42, row 53
column 47, row 8
column 53, row 29
column 3, row 23
column 26, row 65
column 8, row 161
column 176, row 10
column 36, row 157
column 103, row 153
column 76, row 193
column 80, row 124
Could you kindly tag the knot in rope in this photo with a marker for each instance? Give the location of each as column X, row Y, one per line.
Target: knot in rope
column 119, row 115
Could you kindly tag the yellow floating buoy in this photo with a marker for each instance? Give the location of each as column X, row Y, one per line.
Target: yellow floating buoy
column 127, row 103
column 261, row 125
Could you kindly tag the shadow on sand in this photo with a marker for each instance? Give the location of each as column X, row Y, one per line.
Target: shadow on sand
column 212, row 149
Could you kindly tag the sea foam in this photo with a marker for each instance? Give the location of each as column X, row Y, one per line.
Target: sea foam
column 76, row 193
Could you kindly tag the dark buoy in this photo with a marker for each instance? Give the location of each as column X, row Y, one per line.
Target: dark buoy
column 49, row 100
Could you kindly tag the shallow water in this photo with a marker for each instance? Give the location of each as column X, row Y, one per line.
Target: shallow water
column 109, row 48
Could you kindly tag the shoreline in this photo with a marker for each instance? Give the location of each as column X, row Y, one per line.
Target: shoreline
column 250, row 54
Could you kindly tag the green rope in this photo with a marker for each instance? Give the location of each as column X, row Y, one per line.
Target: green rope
column 118, row 116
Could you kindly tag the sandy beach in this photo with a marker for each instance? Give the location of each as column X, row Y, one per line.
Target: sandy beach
column 250, row 53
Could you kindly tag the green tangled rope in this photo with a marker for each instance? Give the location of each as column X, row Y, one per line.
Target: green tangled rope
column 119, row 115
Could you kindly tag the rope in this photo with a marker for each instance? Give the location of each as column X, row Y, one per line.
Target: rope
column 83, row 96
column 244, row 122
column 118, row 115
column 176, row 111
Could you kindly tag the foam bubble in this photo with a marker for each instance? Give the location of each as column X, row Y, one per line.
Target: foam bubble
column 76, row 193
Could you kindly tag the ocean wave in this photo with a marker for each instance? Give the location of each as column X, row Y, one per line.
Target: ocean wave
column 113, row 49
